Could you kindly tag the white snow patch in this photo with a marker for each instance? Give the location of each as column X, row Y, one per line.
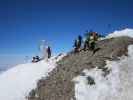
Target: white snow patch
column 16, row 83
column 117, row 85
column 126, row 32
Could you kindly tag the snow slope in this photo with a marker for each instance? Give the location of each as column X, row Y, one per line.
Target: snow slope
column 16, row 83
column 125, row 32
column 117, row 85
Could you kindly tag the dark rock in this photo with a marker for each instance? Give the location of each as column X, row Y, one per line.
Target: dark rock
column 90, row 80
column 32, row 94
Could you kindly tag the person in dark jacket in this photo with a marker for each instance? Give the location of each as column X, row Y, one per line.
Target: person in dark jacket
column 75, row 43
column 49, row 51
column 79, row 41
column 93, row 45
column 86, row 45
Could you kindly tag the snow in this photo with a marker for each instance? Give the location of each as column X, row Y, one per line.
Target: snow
column 16, row 83
column 87, row 92
column 117, row 85
column 125, row 32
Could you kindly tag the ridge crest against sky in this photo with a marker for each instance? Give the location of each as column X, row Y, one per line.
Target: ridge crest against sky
column 23, row 23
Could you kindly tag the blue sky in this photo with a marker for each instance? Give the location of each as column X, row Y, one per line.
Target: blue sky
column 23, row 23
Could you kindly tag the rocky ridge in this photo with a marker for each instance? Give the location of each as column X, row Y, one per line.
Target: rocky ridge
column 59, row 85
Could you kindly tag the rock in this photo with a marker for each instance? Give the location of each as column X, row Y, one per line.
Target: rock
column 59, row 85
column 32, row 94
column 90, row 80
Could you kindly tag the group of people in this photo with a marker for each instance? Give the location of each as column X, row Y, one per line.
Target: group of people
column 47, row 55
column 36, row 59
column 89, row 43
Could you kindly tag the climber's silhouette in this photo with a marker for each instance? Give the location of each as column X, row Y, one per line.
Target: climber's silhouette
column 49, row 51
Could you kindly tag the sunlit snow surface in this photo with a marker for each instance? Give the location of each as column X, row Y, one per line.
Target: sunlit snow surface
column 125, row 32
column 117, row 85
column 16, row 83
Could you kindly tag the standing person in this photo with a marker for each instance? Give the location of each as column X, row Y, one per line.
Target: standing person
column 86, row 45
column 87, row 40
column 79, row 44
column 79, row 41
column 76, row 46
column 95, row 36
column 49, row 52
column 75, row 43
column 92, row 41
column 92, row 45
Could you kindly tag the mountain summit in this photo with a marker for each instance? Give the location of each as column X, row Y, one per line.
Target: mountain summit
column 105, row 74
column 84, row 75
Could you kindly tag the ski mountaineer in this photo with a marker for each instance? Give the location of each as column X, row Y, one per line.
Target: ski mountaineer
column 92, row 40
column 87, row 40
column 79, row 42
column 92, row 45
column 86, row 45
column 49, row 52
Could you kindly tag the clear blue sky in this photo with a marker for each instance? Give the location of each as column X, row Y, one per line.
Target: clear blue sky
column 23, row 23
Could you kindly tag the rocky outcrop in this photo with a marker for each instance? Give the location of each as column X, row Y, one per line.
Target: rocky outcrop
column 59, row 85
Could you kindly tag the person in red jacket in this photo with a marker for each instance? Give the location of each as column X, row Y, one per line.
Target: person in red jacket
column 95, row 36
